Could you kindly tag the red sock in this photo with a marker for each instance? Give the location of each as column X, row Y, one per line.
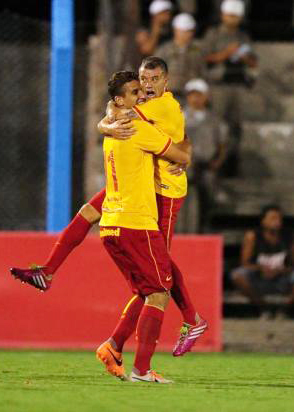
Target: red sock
column 128, row 322
column 97, row 200
column 180, row 295
column 72, row 236
column 69, row 238
column 148, row 331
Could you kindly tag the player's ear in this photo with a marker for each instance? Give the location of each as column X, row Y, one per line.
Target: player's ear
column 166, row 82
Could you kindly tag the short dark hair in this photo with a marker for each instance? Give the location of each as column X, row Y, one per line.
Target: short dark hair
column 152, row 62
column 269, row 208
column 118, row 80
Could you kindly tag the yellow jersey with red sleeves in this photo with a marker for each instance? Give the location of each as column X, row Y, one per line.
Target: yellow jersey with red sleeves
column 166, row 115
column 130, row 199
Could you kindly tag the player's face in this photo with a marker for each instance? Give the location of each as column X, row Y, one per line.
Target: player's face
column 231, row 20
column 132, row 96
column 153, row 82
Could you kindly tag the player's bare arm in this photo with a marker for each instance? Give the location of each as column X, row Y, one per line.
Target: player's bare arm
column 178, row 153
column 119, row 129
column 177, row 169
column 117, row 122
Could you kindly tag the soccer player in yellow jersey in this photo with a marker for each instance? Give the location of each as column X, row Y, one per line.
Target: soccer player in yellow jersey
column 129, row 228
column 164, row 112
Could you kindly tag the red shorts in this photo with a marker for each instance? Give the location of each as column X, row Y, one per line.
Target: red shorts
column 168, row 209
column 141, row 256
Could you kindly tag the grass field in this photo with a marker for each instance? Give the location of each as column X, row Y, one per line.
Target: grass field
column 74, row 381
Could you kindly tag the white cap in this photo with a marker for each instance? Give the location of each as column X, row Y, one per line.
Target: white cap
column 197, row 85
column 235, row 7
column 157, row 6
column 184, row 21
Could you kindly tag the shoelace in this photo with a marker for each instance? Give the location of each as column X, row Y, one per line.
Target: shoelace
column 47, row 278
column 156, row 375
column 34, row 266
column 183, row 333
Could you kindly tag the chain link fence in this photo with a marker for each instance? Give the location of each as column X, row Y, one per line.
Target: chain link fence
column 24, row 91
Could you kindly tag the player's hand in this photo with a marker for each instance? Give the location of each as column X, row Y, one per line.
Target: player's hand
column 122, row 129
column 176, row 169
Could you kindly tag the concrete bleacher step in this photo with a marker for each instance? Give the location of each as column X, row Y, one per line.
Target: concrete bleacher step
column 261, row 335
column 247, row 196
column 271, row 97
column 266, row 159
column 267, row 150
column 288, row 108
column 274, row 56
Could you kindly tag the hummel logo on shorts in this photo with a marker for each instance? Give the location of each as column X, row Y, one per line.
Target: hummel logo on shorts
column 168, row 278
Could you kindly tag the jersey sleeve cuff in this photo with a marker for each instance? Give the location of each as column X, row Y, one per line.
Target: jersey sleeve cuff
column 166, row 147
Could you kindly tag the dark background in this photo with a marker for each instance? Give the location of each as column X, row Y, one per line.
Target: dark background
column 268, row 20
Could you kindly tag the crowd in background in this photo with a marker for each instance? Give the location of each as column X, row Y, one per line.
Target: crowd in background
column 207, row 77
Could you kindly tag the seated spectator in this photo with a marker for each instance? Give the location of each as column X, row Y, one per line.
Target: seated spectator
column 182, row 54
column 208, row 136
column 267, row 259
column 160, row 28
column 228, row 53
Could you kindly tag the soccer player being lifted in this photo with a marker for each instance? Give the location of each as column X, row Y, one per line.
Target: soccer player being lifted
column 164, row 112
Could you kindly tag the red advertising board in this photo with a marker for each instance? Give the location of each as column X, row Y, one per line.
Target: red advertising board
column 88, row 294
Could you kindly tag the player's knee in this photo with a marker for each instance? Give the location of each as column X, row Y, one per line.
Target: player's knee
column 158, row 299
column 89, row 213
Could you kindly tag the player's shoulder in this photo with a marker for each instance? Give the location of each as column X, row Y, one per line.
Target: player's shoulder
column 142, row 126
column 169, row 99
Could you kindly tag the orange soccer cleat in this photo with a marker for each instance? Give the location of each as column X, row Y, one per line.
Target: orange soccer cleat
column 112, row 360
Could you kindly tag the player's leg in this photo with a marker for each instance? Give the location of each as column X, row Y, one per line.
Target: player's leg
column 123, row 330
column 142, row 257
column 193, row 325
column 148, row 332
column 168, row 209
column 41, row 276
column 127, row 323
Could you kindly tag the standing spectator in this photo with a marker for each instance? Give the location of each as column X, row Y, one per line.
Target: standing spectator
column 160, row 28
column 208, row 136
column 229, row 54
column 267, row 259
column 182, row 53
